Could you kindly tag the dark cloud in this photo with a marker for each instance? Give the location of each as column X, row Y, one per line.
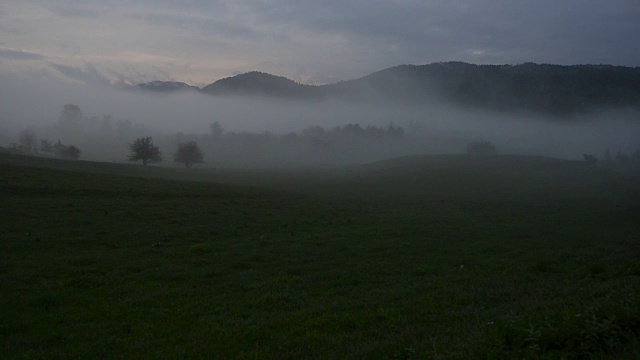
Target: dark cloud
column 19, row 55
column 508, row 31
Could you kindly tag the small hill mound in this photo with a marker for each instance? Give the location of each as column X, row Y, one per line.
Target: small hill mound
column 258, row 83
column 167, row 86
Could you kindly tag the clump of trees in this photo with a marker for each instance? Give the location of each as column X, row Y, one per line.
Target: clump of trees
column 480, row 148
column 188, row 154
column 143, row 149
column 27, row 144
column 59, row 150
column 67, row 152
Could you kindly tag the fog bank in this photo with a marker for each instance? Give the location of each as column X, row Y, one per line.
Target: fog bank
column 175, row 117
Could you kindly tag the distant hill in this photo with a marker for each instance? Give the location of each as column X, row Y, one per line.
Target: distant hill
column 543, row 89
column 259, row 83
column 166, row 86
column 531, row 88
column 547, row 89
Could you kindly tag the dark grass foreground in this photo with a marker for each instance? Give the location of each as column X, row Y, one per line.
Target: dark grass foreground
column 434, row 257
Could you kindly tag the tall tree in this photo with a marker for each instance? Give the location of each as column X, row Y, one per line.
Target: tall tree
column 70, row 118
column 216, row 130
column 188, row 154
column 143, row 149
column 28, row 141
column 46, row 146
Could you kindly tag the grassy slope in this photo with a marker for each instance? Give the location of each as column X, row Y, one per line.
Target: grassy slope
column 415, row 257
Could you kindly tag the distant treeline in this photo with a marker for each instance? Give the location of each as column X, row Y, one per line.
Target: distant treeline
column 110, row 139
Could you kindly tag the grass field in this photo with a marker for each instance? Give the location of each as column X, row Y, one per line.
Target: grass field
column 443, row 257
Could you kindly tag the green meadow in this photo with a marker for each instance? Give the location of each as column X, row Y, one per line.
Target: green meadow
column 423, row 257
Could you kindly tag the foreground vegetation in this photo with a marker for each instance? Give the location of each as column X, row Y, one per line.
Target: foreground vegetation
column 417, row 257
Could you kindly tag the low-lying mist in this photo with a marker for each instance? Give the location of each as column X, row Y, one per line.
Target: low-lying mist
column 262, row 131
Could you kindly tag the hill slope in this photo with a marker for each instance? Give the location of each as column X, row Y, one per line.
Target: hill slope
column 112, row 261
column 258, row 83
column 547, row 89
column 167, row 86
column 534, row 88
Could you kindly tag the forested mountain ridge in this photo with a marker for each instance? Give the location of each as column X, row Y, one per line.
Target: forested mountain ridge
column 548, row 89
column 545, row 89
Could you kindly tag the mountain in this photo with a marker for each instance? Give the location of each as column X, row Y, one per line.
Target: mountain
column 166, row 86
column 545, row 89
column 259, row 83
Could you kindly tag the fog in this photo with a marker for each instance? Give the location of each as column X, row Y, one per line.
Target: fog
column 264, row 131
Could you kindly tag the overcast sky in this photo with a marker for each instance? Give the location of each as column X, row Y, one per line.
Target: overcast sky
column 321, row 41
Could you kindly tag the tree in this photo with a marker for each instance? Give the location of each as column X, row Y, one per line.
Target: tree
column 58, row 149
column 481, row 148
column 71, row 153
column 70, row 118
column 143, row 149
column 46, row 146
column 28, row 141
column 188, row 154
column 66, row 152
column 216, row 130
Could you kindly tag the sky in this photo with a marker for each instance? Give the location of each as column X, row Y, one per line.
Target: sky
column 313, row 42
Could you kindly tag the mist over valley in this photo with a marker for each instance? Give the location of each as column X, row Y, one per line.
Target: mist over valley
column 270, row 120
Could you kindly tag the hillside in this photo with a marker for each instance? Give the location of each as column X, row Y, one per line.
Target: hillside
column 258, row 83
column 529, row 88
column 551, row 90
column 376, row 261
column 415, row 257
column 166, row 86
column 546, row 89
